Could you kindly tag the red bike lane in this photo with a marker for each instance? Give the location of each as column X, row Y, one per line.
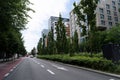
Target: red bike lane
column 7, row 66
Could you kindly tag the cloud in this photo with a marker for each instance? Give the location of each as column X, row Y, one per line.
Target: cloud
column 43, row 10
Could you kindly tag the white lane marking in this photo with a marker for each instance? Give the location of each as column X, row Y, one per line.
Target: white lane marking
column 61, row 68
column 11, row 70
column 6, row 74
column 42, row 66
column 50, row 72
column 14, row 67
column 111, row 79
column 38, row 63
column 35, row 61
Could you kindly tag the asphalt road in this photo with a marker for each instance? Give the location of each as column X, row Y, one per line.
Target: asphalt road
column 36, row 69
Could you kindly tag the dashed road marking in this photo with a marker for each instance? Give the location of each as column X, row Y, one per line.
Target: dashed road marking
column 6, row 74
column 50, row 72
column 14, row 67
column 111, row 79
column 11, row 70
column 42, row 66
column 60, row 68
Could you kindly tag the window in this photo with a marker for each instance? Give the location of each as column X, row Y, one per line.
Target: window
column 116, row 18
column 115, row 13
column 108, row 12
column 99, row 1
column 102, row 22
column 116, row 24
column 118, row 4
column 55, row 23
column 110, row 23
column 107, row 6
column 101, row 10
column 109, row 18
column 101, row 16
column 113, row 2
column 114, row 8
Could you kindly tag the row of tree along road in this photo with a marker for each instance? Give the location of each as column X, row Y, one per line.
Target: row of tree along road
column 13, row 17
column 94, row 40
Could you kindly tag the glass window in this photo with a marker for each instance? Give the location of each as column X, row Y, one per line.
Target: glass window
column 116, row 18
column 113, row 2
column 110, row 23
column 102, row 22
column 108, row 12
column 114, row 8
column 99, row 1
column 107, row 6
column 101, row 10
column 101, row 16
column 115, row 13
column 118, row 4
column 109, row 18
column 116, row 24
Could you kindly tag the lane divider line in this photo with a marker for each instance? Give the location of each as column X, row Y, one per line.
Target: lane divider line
column 6, row 74
column 50, row 72
column 42, row 66
column 60, row 68
column 111, row 79
column 11, row 70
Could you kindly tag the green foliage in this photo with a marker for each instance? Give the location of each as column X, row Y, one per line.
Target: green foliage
column 39, row 46
column 85, row 11
column 61, row 41
column 101, row 38
column 80, row 17
column 113, row 35
column 75, row 42
column 13, row 18
column 84, row 60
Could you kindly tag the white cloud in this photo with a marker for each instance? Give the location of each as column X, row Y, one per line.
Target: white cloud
column 43, row 10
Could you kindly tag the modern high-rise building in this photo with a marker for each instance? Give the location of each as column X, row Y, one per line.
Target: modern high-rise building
column 52, row 24
column 73, row 25
column 107, row 15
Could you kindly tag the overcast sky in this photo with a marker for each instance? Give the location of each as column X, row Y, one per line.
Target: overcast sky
column 43, row 10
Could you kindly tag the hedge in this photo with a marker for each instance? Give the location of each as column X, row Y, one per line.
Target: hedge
column 83, row 61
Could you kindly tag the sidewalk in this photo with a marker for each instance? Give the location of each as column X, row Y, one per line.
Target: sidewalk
column 7, row 66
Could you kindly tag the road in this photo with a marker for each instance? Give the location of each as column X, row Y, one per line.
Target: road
column 37, row 69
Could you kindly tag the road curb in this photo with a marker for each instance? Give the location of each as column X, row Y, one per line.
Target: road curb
column 88, row 69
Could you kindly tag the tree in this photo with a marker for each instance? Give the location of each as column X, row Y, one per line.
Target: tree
column 43, row 44
column 13, row 14
column 75, row 42
column 61, row 40
column 39, row 46
column 88, row 8
column 51, row 43
column 80, row 17
column 113, row 35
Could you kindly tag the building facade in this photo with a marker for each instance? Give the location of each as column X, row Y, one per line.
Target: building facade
column 107, row 15
column 73, row 25
column 52, row 24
